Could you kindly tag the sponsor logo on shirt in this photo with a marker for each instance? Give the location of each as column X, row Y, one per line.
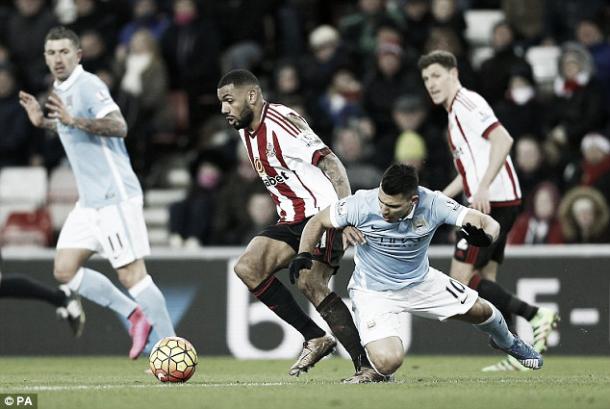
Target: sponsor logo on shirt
column 275, row 180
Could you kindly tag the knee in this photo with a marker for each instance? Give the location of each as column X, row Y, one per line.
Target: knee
column 313, row 286
column 130, row 277
column 248, row 272
column 64, row 272
column 387, row 362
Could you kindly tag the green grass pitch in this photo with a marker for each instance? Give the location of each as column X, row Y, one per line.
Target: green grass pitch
column 423, row 382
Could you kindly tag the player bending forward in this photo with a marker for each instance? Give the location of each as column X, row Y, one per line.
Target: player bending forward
column 393, row 275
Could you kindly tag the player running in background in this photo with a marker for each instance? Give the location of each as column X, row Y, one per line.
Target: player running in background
column 480, row 146
column 302, row 176
column 108, row 217
column 66, row 301
column 393, row 275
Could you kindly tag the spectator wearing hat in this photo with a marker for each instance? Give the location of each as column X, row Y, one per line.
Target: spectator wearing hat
column 577, row 106
column 594, row 167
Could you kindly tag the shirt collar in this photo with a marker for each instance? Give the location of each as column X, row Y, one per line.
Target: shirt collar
column 411, row 213
column 63, row 86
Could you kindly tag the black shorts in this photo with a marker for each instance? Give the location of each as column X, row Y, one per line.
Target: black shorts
column 480, row 256
column 329, row 250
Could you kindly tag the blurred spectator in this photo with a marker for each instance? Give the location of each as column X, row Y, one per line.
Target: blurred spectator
column 520, row 110
column 245, row 33
column 261, row 212
column 191, row 220
column 527, row 19
column 94, row 57
column 91, row 15
column 578, row 103
column 420, row 142
column 358, row 29
column 191, row 49
column 584, row 216
column 145, row 15
column 16, row 136
column 416, row 21
column 442, row 38
column 143, row 99
column 25, row 35
column 390, row 79
column 355, row 151
column 286, row 80
column 231, row 220
column 539, row 224
column 328, row 55
column 495, row 72
column 446, row 14
column 562, row 16
column 594, row 167
column 341, row 102
column 530, row 166
column 590, row 35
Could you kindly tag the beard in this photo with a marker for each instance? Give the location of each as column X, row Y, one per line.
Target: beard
column 246, row 118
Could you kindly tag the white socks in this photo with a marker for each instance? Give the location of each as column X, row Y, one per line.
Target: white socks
column 496, row 327
column 150, row 298
column 98, row 288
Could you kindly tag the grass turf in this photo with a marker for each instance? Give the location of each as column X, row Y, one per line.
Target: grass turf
column 423, row 382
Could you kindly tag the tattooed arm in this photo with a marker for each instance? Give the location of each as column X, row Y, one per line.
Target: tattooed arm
column 112, row 124
column 335, row 171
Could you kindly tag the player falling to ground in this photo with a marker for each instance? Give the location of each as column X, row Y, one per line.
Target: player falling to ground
column 108, row 217
column 480, row 146
column 302, row 176
column 66, row 301
column 393, row 275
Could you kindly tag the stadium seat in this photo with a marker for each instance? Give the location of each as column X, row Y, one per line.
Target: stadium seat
column 62, row 186
column 479, row 25
column 23, row 185
column 543, row 60
column 28, row 229
column 479, row 55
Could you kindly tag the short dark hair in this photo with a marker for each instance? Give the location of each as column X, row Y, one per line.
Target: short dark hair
column 60, row 33
column 441, row 57
column 238, row 78
column 400, row 179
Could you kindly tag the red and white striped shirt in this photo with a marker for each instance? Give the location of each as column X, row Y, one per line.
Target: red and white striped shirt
column 471, row 120
column 285, row 153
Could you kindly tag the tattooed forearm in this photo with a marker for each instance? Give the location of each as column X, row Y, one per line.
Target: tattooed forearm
column 112, row 124
column 334, row 169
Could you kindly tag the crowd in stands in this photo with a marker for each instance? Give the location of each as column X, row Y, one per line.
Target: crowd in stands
column 350, row 68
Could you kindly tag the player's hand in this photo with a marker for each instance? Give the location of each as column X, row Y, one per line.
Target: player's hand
column 480, row 200
column 476, row 235
column 352, row 237
column 32, row 107
column 303, row 261
column 58, row 110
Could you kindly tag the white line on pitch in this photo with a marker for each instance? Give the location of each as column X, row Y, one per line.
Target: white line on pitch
column 53, row 388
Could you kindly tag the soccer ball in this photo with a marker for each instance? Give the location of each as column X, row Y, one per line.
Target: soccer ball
column 173, row 359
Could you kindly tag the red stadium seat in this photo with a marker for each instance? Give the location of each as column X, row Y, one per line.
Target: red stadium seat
column 28, row 229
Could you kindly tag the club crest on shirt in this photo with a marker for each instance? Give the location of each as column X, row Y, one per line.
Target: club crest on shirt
column 452, row 204
column 342, row 208
column 270, row 151
column 419, row 225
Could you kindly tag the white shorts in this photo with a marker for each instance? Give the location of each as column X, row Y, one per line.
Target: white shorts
column 380, row 314
column 117, row 232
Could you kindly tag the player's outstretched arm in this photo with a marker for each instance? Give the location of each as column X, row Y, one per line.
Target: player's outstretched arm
column 480, row 229
column 335, row 171
column 311, row 235
column 32, row 107
column 112, row 125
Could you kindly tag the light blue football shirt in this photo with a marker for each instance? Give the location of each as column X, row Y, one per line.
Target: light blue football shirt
column 395, row 254
column 101, row 165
